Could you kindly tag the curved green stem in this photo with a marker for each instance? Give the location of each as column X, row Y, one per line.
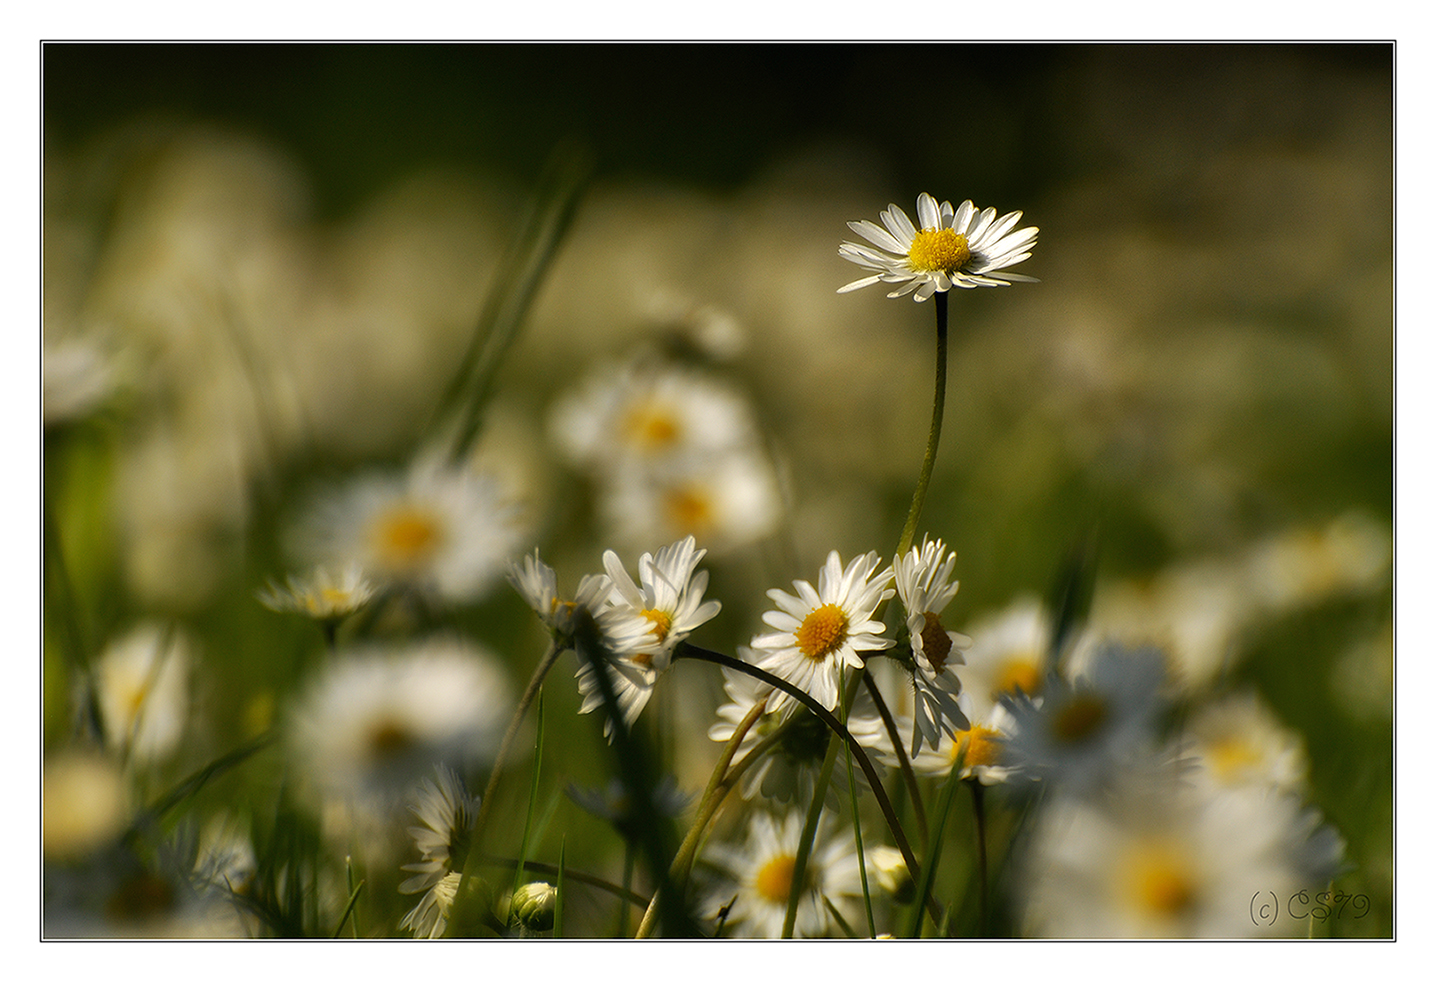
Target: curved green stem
column 908, row 777
column 934, row 434
column 874, row 781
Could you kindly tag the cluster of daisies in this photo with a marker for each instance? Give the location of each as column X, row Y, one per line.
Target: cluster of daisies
column 1152, row 812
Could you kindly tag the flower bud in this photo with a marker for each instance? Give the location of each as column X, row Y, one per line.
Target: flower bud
column 532, row 906
column 892, row 874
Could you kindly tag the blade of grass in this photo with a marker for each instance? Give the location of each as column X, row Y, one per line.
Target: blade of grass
column 532, row 797
column 558, row 886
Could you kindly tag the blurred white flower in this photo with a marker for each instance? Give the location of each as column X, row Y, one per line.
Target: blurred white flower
column 78, row 375
column 1007, row 656
column 369, row 723
column 1085, row 730
column 953, row 247
column 325, row 594
column 1155, row 858
column 142, row 687
column 1238, row 741
column 437, row 526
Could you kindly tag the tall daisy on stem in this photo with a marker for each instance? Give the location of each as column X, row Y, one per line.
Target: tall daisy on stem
column 965, row 248
column 959, row 247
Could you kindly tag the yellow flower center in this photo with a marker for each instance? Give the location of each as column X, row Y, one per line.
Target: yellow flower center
column 689, row 509
column 774, row 880
column 1019, row 676
column 1160, row 881
column 938, row 250
column 1079, row 719
column 936, row 642
column 407, row 536
column 822, row 632
column 662, row 622
column 652, row 427
column 982, row 745
column 1232, row 756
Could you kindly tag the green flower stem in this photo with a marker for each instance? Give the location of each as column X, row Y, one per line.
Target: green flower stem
column 934, row 434
column 722, row 779
column 857, row 839
column 979, row 812
column 908, row 777
column 535, row 684
column 934, row 850
column 874, row 781
column 809, row 834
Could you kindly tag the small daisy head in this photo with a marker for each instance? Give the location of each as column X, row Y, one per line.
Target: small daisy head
column 980, row 748
column 327, row 594
column 761, row 874
column 446, row 815
column 1007, row 656
column 819, row 631
column 959, row 247
column 669, row 603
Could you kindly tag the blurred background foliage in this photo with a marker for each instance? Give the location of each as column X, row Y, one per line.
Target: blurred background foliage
column 292, row 244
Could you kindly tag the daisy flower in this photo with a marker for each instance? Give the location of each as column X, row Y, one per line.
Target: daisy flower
column 142, row 689
column 1238, row 742
column 728, row 500
column 953, row 247
column 365, row 726
column 820, row 630
column 643, row 416
column 1007, row 656
column 537, row 583
column 1156, row 858
column 1083, row 731
column 642, row 625
column 446, row 815
column 924, row 583
column 437, row 526
column 981, row 748
column 326, row 594
column 761, row 875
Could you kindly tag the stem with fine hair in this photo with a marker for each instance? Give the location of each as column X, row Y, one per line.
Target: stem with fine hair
column 934, row 434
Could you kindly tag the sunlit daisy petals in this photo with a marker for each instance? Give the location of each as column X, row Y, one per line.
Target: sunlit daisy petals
column 954, row 247
column 819, row 631
column 760, row 872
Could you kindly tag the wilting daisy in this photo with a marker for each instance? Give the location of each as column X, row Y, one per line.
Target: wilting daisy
column 924, row 583
column 437, row 526
column 1156, row 858
column 537, row 583
column 326, row 594
column 1084, row 730
column 642, row 625
column 953, row 247
column 820, row 630
column 759, row 879
column 370, row 722
column 142, row 689
column 446, row 815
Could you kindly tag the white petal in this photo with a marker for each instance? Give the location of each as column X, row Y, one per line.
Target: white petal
column 877, row 235
column 927, row 211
